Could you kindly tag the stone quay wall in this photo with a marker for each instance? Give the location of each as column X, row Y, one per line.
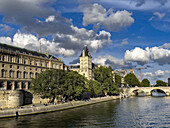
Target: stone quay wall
column 50, row 108
column 14, row 98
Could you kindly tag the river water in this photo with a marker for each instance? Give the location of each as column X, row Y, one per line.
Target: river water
column 134, row 112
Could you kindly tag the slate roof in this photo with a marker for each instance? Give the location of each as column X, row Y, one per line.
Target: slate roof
column 87, row 53
column 24, row 51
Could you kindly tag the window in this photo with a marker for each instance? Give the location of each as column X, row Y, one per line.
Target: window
column 2, row 73
column 31, row 74
column 41, row 64
column 30, row 68
column 10, row 66
column 36, row 63
column 17, row 67
column 24, row 75
column 11, row 59
column 24, row 67
column 36, row 69
column 3, row 58
column 10, row 73
column 30, row 62
column 18, row 60
column 18, row 74
column 36, row 74
column 3, row 65
column 24, row 61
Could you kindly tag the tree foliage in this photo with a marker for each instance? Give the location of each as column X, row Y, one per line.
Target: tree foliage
column 59, row 83
column 117, row 79
column 160, row 83
column 132, row 80
column 105, row 77
column 145, row 83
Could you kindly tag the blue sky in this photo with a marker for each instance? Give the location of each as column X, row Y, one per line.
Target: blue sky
column 122, row 33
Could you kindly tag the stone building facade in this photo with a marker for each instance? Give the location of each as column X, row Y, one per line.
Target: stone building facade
column 86, row 65
column 18, row 66
column 169, row 81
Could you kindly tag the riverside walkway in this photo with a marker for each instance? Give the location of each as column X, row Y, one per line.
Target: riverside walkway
column 40, row 108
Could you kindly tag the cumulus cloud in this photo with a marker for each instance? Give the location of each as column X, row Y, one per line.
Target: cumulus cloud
column 113, row 21
column 112, row 61
column 62, row 44
column 138, row 55
column 83, row 37
column 28, row 13
column 160, row 55
column 143, row 56
column 157, row 74
column 31, row 42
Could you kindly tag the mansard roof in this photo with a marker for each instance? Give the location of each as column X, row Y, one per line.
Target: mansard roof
column 23, row 51
column 86, row 50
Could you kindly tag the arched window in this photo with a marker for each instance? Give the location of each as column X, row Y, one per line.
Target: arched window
column 36, row 74
column 10, row 73
column 31, row 75
column 18, row 74
column 2, row 73
column 25, row 75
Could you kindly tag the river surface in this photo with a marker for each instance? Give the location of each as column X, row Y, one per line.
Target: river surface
column 134, row 112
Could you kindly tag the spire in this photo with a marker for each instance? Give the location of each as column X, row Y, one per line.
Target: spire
column 85, row 52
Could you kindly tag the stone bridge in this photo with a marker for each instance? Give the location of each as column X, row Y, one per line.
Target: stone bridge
column 147, row 90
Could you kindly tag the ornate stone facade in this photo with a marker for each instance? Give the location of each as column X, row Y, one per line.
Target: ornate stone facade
column 18, row 66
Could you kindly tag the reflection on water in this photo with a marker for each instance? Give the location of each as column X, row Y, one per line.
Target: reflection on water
column 130, row 112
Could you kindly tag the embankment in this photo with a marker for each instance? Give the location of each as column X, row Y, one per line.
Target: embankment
column 50, row 108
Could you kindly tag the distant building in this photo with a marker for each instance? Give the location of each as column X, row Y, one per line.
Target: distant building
column 169, row 81
column 19, row 65
column 86, row 66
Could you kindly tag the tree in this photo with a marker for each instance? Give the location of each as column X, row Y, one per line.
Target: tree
column 131, row 80
column 105, row 77
column 145, row 83
column 59, row 84
column 117, row 79
column 160, row 83
column 49, row 83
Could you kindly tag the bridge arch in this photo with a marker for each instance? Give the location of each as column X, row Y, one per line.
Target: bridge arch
column 138, row 92
column 158, row 92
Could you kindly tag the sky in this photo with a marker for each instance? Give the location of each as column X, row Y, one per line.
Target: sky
column 124, row 34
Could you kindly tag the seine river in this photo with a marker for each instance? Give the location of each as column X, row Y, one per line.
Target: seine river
column 134, row 112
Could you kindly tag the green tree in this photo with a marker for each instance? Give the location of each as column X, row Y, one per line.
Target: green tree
column 160, row 83
column 145, row 83
column 48, row 83
column 117, row 79
column 105, row 77
column 132, row 80
column 59, row 84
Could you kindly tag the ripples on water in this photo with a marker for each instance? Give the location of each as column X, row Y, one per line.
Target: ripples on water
column 132, row 112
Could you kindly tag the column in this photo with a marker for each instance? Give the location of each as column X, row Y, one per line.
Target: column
column 20, row 83
column 13, row 85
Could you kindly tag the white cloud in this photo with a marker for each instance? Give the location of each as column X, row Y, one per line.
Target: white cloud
column 147, row 75
column 81, row 37
column 113, row 21
column 160, row 73
column 112, row 61
column 159, row 55
column 50, row 19
column 138, row 55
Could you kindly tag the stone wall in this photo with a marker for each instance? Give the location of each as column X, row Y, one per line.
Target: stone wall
column 14, row 98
